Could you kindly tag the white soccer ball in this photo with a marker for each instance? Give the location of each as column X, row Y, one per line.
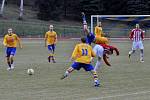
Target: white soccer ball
column 30, row 71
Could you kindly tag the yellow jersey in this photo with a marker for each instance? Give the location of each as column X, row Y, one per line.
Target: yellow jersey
column 98, row 31
column 83, row 53
column 10, row 40
column 51, row 37
column 101, row 40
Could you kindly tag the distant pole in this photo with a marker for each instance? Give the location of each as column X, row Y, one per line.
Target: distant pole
column 21, row 10
column 2, row 8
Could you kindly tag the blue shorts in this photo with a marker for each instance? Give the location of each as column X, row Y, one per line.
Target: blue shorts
column 90, row 38
column 51, row 47
column 86, row 67
column 10, row 51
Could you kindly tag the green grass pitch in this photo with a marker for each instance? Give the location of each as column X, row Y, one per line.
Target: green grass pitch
column 124, row 80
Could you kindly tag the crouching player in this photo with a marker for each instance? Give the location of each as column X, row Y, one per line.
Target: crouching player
column 10, row 41
column 82, row 58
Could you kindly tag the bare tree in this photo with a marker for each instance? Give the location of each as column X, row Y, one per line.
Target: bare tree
column 21, row 10
column 2, row 8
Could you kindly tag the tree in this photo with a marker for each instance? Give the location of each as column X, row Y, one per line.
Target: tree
column 2, row 8
column 21, row 10
column 49, row 9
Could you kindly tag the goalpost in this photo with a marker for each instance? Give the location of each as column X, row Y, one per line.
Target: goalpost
column 120, row 25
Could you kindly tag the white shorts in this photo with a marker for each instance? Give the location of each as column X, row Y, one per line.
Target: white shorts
column 137, row 45
column 98, row 50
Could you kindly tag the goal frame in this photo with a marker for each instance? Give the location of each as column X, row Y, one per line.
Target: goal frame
column 102, row 16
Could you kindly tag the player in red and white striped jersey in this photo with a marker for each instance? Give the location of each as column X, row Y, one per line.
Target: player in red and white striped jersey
column 137, row 36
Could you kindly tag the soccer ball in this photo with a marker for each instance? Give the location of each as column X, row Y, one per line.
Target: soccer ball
column 30, row 71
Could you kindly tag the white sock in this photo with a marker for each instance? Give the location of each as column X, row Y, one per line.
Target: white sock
column 66, row 73
column 98, row 65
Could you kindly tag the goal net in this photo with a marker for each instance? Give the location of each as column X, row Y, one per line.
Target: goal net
column 119, row 26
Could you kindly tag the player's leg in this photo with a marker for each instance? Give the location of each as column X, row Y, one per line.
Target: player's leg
column 50, row 52
column 142, row 55
column 89, row 67
column 75, row 66
column 53, row 53
column 13, row 52
column 141, row 51
column 84, row 22
column 67, row 72
column 98, row 64
column 99, row 50
column 95, row 76
column 8, row 52
column 8, row 62
column 134, row 47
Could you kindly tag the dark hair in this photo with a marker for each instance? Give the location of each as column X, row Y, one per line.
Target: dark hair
column 83, row 39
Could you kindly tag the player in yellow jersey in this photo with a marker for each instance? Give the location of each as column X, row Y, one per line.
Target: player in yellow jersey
column 10, row 41
column 82, row 58
column 99, row 30
column 50, row 42
column 91, row 36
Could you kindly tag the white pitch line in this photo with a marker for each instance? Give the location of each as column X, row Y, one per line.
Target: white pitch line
column 121, row 95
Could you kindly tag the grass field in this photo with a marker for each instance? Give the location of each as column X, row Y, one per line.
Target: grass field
column 125, row 80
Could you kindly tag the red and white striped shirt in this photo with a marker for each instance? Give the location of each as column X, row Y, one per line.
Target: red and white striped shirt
column 136, row 35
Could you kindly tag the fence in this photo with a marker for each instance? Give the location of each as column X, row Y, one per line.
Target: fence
column 33, row 29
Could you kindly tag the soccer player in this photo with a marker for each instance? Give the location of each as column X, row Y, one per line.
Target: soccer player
column 82, row 58
column 102, row 41
column 98, row 30
column 10, row 41
column 137, row 36
column 90, row 36
column 50, row 42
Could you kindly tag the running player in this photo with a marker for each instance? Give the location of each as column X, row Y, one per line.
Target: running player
column 10, row 41
column 50, row 42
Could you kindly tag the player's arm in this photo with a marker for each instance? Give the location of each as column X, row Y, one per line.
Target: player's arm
column 4, row 41
column 95, row 30
column 45, row 39
column 131, row 35
column 55, row 38
column 19, row 41
column 93, row 52
column 142, row 35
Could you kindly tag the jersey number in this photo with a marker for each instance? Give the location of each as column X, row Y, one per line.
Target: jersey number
column 84, row 52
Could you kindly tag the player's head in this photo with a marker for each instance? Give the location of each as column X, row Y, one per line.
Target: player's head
column 10, row 31
column 137, row 26
column 83, row 39
column 51, row 27
column 99, row 24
